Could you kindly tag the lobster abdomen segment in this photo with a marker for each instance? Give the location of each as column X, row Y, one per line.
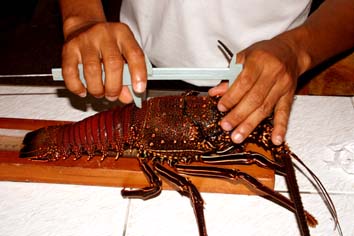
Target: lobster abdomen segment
column 99, row 134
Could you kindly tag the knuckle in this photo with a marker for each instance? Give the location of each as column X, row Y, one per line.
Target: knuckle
column 246, row 128
column 114, row 61
column 123, row 27
column 67, row 48
column 227, row 101
column 255, row 99
column 135, row 52
column 265, row 109
column 270, row 60
column 288, row 81
column 69, row 71
column 234, row 118
column 92, row 67
column 261, row 54
column 282, row 114
column 246, row 80
column 280, row 69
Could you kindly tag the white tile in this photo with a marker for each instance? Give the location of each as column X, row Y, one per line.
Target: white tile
column 60, row 210
column 316, row 123
column 170, row 214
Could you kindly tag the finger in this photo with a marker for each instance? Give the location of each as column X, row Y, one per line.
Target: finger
column 254, row 99
column 222, row 87
column 244, row 82
column 244, row 129
column 70, row 61
column 219, row 90
column 113, row 66
column 92, row 70
column 125, row 95
column 135, row 59
column 281, row 118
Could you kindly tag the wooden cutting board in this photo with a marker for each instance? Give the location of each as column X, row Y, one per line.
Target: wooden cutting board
column 124, row 172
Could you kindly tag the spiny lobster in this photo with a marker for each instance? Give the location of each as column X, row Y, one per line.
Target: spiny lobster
column 176, row 131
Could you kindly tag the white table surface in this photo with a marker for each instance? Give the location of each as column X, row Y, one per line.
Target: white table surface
column 41, row 209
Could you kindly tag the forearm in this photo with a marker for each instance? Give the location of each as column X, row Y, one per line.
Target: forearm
column 79, row 14
column 327, row 32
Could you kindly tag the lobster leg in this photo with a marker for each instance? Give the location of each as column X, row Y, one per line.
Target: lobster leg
column 186, row 188
column 231, row 174
column 148, row 192
column 245, row 158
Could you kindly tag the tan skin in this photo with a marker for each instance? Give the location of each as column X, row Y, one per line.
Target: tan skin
column 267, row 82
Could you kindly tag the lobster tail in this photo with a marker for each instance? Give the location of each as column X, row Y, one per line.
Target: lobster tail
column 28, row 148
column 35, row 143
column 107, row 134
column 29, row 142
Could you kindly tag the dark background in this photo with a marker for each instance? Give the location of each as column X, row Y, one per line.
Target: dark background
column 31, row 35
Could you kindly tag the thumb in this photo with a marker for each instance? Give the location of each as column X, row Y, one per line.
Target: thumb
column 219, row 90
column 240, row 57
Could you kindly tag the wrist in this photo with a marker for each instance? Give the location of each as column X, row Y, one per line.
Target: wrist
column 296, row 40
column 76, row 24
column 80, row 14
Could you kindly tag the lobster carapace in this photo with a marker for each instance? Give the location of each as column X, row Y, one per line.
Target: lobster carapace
column 170, row 134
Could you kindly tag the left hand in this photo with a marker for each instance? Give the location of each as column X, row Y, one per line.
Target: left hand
column 267, row 83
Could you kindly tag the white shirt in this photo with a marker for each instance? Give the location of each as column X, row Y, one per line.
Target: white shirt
column 184, row 33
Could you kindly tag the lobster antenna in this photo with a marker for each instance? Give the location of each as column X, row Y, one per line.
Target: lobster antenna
column 325, row 194
column 225, row 49
column 295, row 195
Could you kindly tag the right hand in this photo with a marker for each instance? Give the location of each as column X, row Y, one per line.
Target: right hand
column 112, row 44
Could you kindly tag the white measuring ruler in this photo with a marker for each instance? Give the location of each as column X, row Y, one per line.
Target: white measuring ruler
column 190, row 74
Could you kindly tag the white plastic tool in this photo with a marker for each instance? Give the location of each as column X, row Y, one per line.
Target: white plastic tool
column 190, row 74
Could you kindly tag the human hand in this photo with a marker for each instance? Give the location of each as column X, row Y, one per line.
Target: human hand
column 267, row 83
column 112, row 44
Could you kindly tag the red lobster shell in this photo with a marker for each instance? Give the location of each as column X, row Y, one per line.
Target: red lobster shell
column 177, row 130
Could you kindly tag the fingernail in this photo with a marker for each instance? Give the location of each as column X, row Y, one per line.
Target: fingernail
column 278, row 140
column 221, row 108
column 226, row 126
column 112, row 98
column 237, row 138
column 83, row 94
column 211, row 91
column 140, row 87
